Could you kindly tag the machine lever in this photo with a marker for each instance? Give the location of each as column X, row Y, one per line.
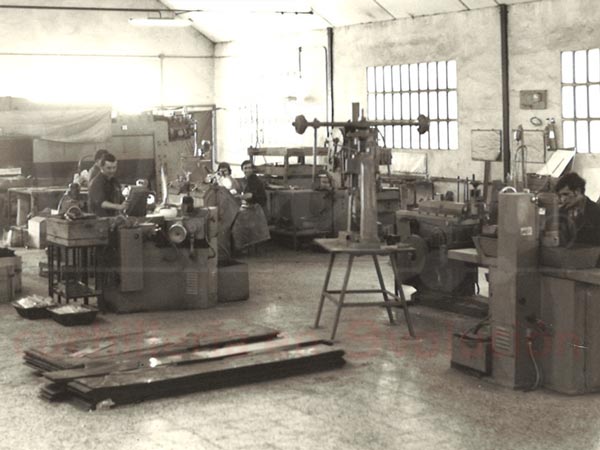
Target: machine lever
column 579, row 346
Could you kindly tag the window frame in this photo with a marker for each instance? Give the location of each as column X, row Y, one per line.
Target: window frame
column 395, row 91
column 570, row 123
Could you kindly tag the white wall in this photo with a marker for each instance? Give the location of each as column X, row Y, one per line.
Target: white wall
column 471, row 38
column 538, row 32
column 98, row 57
column 260, row 86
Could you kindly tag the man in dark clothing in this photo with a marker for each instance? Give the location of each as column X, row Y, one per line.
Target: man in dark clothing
column 581, row 216
column 104, row 194
column 253, row 190
column 95, row 170
column 250, row 226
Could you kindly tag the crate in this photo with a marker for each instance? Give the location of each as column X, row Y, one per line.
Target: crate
column 10, row 278
column 16, row 236
column 84, row 315
column 77, row 233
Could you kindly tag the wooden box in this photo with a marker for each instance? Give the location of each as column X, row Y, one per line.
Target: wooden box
column 10, row 278
column 77, row 233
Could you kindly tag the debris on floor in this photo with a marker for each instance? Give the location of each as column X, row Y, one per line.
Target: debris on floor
column 34, row 306
column 129, row 368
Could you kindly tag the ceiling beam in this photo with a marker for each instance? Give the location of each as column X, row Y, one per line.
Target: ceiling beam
column 464, row 5
column 381, row 6
column 146, row 10
column 317, row 13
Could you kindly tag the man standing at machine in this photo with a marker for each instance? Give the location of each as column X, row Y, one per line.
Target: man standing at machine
column 580, row 216
column 104, row 194
column 95, row 169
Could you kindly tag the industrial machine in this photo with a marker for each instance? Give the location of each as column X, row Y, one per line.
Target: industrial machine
column 357, row 157
column 433, row 228
column 544, row 301
column 159, row 263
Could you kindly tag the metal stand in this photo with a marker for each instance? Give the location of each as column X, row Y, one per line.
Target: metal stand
column 338, row 297
column 73, row 273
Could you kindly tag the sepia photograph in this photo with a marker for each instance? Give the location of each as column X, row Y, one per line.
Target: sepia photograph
column 300, row 224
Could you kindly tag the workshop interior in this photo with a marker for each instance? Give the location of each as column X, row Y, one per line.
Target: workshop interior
column 286, row 201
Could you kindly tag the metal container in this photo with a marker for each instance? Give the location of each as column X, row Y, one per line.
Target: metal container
column 486, row 246
column 81, row 315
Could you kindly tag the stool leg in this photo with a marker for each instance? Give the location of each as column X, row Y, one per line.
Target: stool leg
column 325, row 286
column 382, row 286
column 342, row 295
column 51, row 271
column 402, row 298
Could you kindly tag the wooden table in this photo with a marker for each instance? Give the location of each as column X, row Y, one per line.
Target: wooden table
column 336, row 247
column 31, row 199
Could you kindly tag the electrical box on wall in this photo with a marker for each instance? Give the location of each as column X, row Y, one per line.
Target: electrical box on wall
column 533, row 99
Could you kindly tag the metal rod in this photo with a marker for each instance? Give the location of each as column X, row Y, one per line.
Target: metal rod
column 314, row 155
column 505, row 90
column 363, row 123
column 330, row 61
column 108, row 55
column 144, row 10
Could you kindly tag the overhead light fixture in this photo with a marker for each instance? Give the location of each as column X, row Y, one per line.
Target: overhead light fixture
column 167, row 22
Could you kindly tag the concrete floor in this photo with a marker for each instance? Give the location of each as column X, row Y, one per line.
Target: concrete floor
column 394, row 392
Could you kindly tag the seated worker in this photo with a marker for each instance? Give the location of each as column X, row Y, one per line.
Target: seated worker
column 95, row 169
column 223, row 178
column 253, row 190
column 580, row 216
column 104, row 194
column 250, row 226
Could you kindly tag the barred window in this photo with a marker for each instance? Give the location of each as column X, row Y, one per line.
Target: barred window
column 581, row 100
column 403, row 92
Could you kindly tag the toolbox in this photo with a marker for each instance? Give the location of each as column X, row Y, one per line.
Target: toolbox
column 472, row 351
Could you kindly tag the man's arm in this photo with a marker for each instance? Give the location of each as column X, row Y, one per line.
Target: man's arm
column 116, row 206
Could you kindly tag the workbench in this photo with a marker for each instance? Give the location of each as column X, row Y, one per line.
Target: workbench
column 336, row 247
column 570, row 309
column 75, row 250
column 471, row 256
column 31, row 200
column 288, row 170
